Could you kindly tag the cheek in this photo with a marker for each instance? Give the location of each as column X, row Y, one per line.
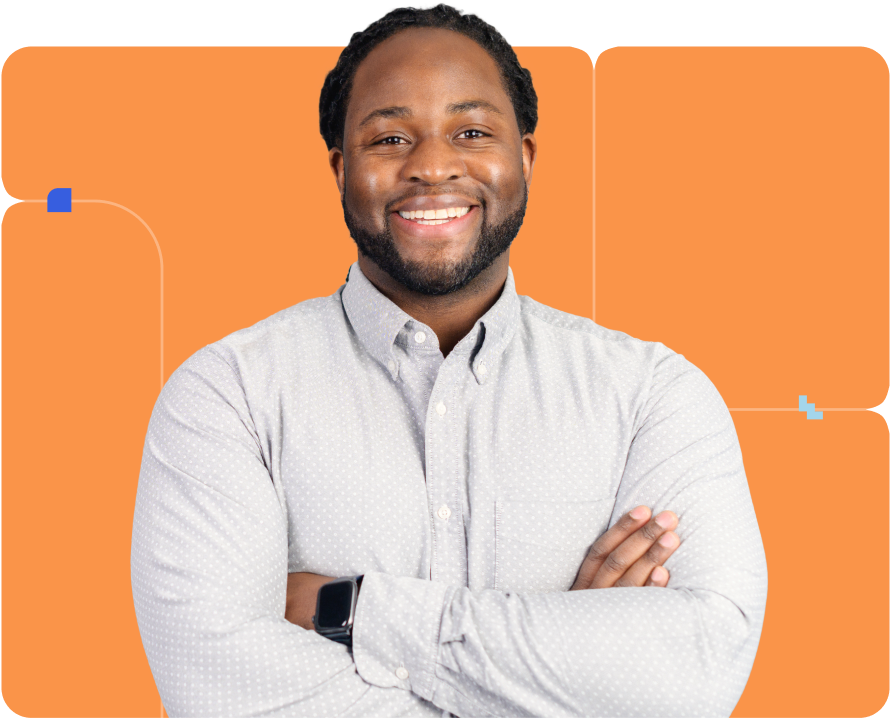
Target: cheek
column 504, row 180
column 367, row 185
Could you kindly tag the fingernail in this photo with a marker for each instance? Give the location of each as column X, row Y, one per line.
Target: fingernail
column 640, row 512
column 669, row 540
column 658, row 574
column 664, row 519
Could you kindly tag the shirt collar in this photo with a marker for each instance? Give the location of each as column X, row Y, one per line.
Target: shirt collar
column 377, row 321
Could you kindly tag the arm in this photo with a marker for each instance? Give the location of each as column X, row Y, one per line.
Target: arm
column 209, row 570
column 683, row 650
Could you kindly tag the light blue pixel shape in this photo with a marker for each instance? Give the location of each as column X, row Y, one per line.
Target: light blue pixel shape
column 808, row 407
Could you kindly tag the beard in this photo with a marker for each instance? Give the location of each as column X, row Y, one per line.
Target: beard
column 436, row 278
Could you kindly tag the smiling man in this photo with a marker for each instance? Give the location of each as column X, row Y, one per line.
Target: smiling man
column 426, row 494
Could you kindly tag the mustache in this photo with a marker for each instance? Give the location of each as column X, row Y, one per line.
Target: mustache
column 425, row 192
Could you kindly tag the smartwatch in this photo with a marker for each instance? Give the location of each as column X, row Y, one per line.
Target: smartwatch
column 335, row 609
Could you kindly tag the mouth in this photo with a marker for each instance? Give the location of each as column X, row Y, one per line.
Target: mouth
column 429, row 224
column 434, row 217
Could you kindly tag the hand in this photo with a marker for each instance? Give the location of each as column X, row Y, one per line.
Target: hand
column 631, row 553
column 302, row 596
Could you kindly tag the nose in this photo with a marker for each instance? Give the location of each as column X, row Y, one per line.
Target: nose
column 433, row 160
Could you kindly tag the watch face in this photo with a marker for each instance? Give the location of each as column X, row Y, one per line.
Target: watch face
column 335, row 600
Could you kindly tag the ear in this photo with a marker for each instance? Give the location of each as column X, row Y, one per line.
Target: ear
column 336, row 161
column 529, row 154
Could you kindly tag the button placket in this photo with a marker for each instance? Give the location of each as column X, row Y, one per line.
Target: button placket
column 449, row 541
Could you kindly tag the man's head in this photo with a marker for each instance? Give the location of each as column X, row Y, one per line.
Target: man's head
column 430, row 110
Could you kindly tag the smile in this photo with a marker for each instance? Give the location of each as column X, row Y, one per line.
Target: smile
column 434, row 217
column 438, row 224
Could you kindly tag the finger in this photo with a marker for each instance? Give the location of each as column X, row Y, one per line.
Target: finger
column 610, row 539
column 656, row 555
column 658, row 578
column 631, row 549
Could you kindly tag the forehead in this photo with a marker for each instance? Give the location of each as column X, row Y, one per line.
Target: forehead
column 425, row 66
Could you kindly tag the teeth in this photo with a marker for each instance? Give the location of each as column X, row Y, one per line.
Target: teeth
column 434, row 217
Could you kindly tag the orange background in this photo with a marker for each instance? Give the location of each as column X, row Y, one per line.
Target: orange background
column 741, row 219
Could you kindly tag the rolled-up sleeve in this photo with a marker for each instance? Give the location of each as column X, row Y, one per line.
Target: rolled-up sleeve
column 209, row 564
column 683, row 650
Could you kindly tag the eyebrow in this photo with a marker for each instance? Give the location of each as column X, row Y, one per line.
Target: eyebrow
column 455, row 108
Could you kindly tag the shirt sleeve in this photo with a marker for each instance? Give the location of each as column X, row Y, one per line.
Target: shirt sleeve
column 209, row 570
column 683, row 650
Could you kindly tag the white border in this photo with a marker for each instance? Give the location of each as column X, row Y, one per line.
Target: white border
column 593, row 30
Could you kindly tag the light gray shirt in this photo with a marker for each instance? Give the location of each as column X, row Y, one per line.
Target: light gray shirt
column 334, row 438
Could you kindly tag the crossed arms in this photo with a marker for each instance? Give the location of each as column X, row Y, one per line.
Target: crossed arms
column 630, row 554
column 209, row 574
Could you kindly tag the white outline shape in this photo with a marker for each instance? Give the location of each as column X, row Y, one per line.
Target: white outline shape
column 160, row 257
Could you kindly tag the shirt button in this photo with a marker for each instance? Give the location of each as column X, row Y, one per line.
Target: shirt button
column 444, row 512
column 420, row 337
column 440, row 408
column 402, row 673
column 392, row 365
column 482, row 369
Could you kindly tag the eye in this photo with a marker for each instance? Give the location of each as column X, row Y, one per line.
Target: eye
column 477, row 134
column 392, row 140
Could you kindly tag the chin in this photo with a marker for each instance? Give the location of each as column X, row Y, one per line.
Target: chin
column 436, row 260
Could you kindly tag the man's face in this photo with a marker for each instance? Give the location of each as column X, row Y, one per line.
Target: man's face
column 430, row 129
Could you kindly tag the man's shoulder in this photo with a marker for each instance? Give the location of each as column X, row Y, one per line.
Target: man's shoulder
column 315, row 313
column 581, row 343
column 278, row 336
column 583, row 331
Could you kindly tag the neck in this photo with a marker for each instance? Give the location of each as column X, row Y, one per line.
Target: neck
column 450, row 316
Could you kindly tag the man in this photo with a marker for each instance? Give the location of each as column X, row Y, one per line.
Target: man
column 507, row 479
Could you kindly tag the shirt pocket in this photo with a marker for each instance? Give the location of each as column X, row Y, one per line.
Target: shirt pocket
column 539, row 546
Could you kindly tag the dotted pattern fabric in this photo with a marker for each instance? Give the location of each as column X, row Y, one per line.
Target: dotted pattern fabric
column 334, row 438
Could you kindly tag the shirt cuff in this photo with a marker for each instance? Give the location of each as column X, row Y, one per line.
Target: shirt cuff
column 395, row 635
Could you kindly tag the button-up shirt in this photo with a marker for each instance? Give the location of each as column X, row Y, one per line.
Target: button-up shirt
column 334, row 438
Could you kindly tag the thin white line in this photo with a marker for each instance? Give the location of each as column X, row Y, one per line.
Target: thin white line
column 16, row 41
column 795, row 409
column 593, row 144
column 160, row 257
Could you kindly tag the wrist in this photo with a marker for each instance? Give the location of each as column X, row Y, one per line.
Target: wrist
column 302, row 590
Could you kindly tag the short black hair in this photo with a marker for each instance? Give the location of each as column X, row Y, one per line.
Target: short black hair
column 338, row 83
